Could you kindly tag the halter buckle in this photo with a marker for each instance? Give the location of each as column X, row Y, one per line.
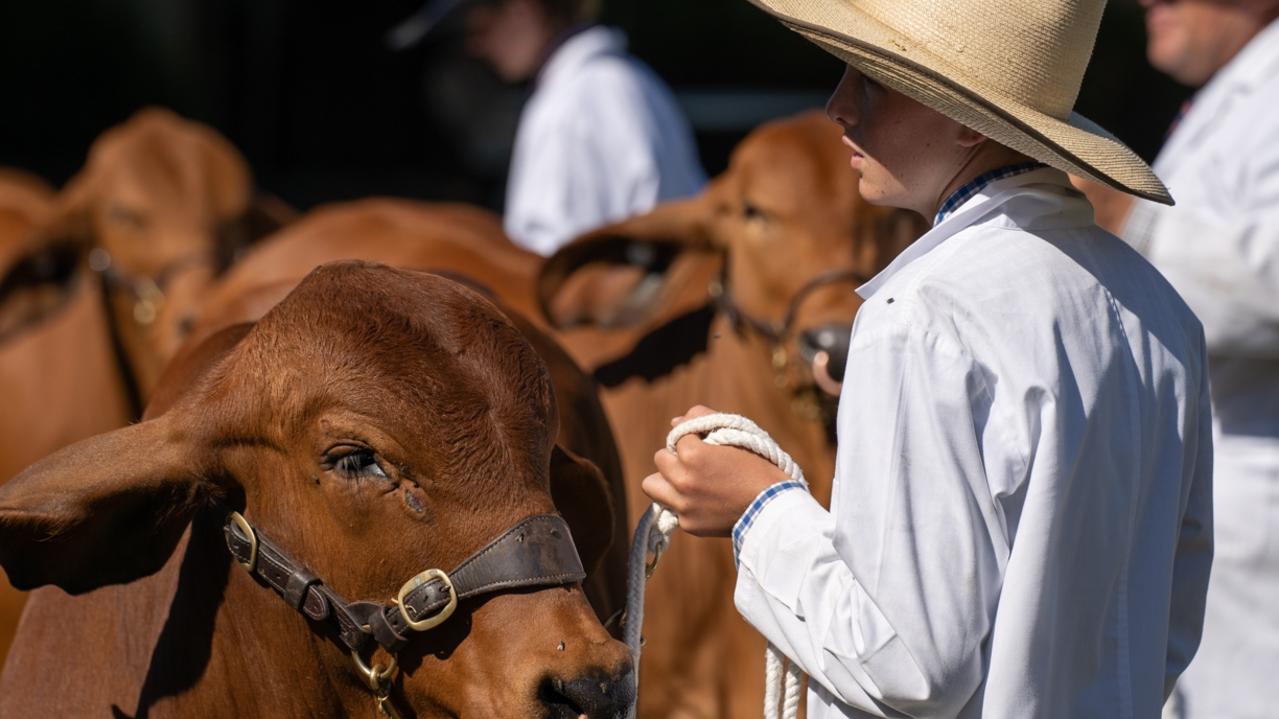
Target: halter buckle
column 247, row 530
column 436, row 619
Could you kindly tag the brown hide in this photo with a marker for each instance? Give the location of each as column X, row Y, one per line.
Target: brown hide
column 466, row 244
column 163, row 204
column 375, row 423
column 786, row 211
column 54, row 354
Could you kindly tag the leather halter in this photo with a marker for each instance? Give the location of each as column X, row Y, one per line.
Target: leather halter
column 776, row 332
column 536, row 552
column 147, row 291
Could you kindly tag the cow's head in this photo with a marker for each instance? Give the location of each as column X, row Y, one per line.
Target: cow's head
column 374, row 424
column 793, row 233
column 160, row 208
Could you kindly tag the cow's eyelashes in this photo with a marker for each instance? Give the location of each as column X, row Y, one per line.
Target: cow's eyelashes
column 357, row 462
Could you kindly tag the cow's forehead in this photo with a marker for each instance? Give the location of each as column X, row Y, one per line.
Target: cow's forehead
column 411, row 351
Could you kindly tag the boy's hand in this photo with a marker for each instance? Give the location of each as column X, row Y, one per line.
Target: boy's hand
column 709, row 487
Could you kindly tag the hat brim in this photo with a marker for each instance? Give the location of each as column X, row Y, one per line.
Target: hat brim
column 413, row 29
column 1075, row 145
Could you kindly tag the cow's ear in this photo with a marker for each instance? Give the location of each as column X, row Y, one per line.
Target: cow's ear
column 107, row 510
column 582, row 497
column 264, row 215
column 617, row 275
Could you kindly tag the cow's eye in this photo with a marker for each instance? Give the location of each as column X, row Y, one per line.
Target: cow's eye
column 122, row 215
column 359, row 463
column 752, row 211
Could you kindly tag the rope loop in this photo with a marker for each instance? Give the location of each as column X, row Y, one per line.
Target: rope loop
column 782, row 688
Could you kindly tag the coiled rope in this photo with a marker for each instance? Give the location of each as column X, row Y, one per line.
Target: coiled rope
column 653, row 536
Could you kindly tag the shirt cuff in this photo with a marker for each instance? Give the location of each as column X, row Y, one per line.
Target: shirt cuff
column 748, row 517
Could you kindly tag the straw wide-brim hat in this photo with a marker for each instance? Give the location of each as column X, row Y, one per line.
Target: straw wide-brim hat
column 1009, row 69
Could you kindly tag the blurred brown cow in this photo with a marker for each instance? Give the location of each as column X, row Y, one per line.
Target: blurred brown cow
column 466, row 244
column 54, row 350
column 161, row 207
column 376, row 423
column 741, row 299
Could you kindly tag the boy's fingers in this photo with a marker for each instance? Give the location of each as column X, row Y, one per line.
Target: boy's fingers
column 661, row 491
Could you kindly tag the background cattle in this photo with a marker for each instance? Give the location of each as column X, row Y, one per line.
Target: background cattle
column 725, row 300
column 375, row 423
column 466, row 244
column 57, row 376
column 97, row 283
column 160, row 208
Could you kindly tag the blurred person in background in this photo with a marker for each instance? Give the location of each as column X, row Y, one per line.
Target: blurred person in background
column 1219, row 246
column 601, row 138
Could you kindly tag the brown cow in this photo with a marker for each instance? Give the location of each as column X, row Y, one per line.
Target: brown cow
column 375, row 423
column 161, row 206
column 54, row 351
column 464, row 243
column 780, row 240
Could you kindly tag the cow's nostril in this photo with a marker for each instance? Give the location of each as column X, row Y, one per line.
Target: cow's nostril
column 595, row 695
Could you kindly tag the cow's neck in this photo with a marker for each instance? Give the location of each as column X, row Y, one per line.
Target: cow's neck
column 739, row 372
column 734, row 374
column 264, row 657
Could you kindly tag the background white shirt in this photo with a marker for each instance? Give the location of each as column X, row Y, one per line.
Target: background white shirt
column 1021, row 520
column 1219, row 246
column 601, row 139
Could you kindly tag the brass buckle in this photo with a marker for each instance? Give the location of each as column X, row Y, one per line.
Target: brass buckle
column 238, row 520
column 437, row 619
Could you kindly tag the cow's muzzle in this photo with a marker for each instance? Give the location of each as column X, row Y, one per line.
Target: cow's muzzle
column 596, row 695
column 825, row 349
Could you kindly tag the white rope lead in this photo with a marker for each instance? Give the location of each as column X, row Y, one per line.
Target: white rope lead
column 653, row 535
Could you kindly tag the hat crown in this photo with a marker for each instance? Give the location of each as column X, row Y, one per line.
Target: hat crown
column 1032, row 51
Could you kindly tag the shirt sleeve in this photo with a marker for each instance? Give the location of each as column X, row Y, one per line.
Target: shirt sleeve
column 887, row 605
column 588, row 158
column 1219, row 245
column 1193, row 559
column 557, row 190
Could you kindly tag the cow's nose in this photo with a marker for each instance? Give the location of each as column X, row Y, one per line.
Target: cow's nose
column 826, row 348
column 596, row 695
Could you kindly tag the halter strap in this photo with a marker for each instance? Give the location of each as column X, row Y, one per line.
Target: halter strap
column 776, row 332
column 536, row 552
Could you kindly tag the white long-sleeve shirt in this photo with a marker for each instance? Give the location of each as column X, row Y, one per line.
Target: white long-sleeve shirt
column 1219, row 246
column 1021, row 518
column 601, row 139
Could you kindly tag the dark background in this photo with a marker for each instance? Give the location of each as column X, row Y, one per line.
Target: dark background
column 323, row 111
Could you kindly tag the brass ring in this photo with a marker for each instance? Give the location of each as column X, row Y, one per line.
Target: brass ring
column 376, row 676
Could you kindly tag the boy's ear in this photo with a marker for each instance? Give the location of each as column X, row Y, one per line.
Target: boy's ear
column 106, row 510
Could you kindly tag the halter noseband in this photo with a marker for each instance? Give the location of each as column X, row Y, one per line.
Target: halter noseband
column 536, row 552
column 776, row 332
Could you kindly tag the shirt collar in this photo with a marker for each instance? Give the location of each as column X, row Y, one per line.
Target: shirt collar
column 968, row 212
column 580, row 47
column 977, row 184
